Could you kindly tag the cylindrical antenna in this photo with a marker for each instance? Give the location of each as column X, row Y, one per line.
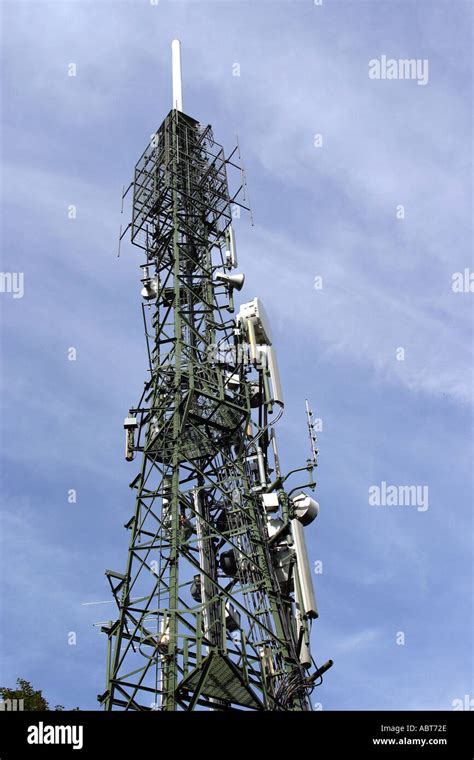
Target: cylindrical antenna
column 176, row 69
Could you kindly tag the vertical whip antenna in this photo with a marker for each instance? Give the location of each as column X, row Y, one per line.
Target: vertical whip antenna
column 313, row 441
column 176, row 72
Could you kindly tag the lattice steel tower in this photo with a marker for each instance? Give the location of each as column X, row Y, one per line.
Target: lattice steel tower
column 216, row 601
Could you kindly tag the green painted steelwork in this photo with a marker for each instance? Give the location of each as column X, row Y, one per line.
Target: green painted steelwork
column 186, row 619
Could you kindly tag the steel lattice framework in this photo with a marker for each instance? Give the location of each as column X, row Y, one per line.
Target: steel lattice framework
column 211, row 609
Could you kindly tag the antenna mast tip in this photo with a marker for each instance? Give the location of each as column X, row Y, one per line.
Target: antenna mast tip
column 176, row 74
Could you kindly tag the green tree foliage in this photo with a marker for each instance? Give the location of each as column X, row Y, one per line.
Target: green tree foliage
column 32, row 699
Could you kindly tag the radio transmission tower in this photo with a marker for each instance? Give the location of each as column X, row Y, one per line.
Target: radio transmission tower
column 216, row 600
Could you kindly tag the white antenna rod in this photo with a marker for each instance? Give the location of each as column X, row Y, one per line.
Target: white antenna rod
column 176, row 69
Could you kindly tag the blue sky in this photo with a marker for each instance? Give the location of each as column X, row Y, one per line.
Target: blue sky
column 328, row 212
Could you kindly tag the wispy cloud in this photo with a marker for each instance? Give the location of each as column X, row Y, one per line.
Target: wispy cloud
column 356, row 641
